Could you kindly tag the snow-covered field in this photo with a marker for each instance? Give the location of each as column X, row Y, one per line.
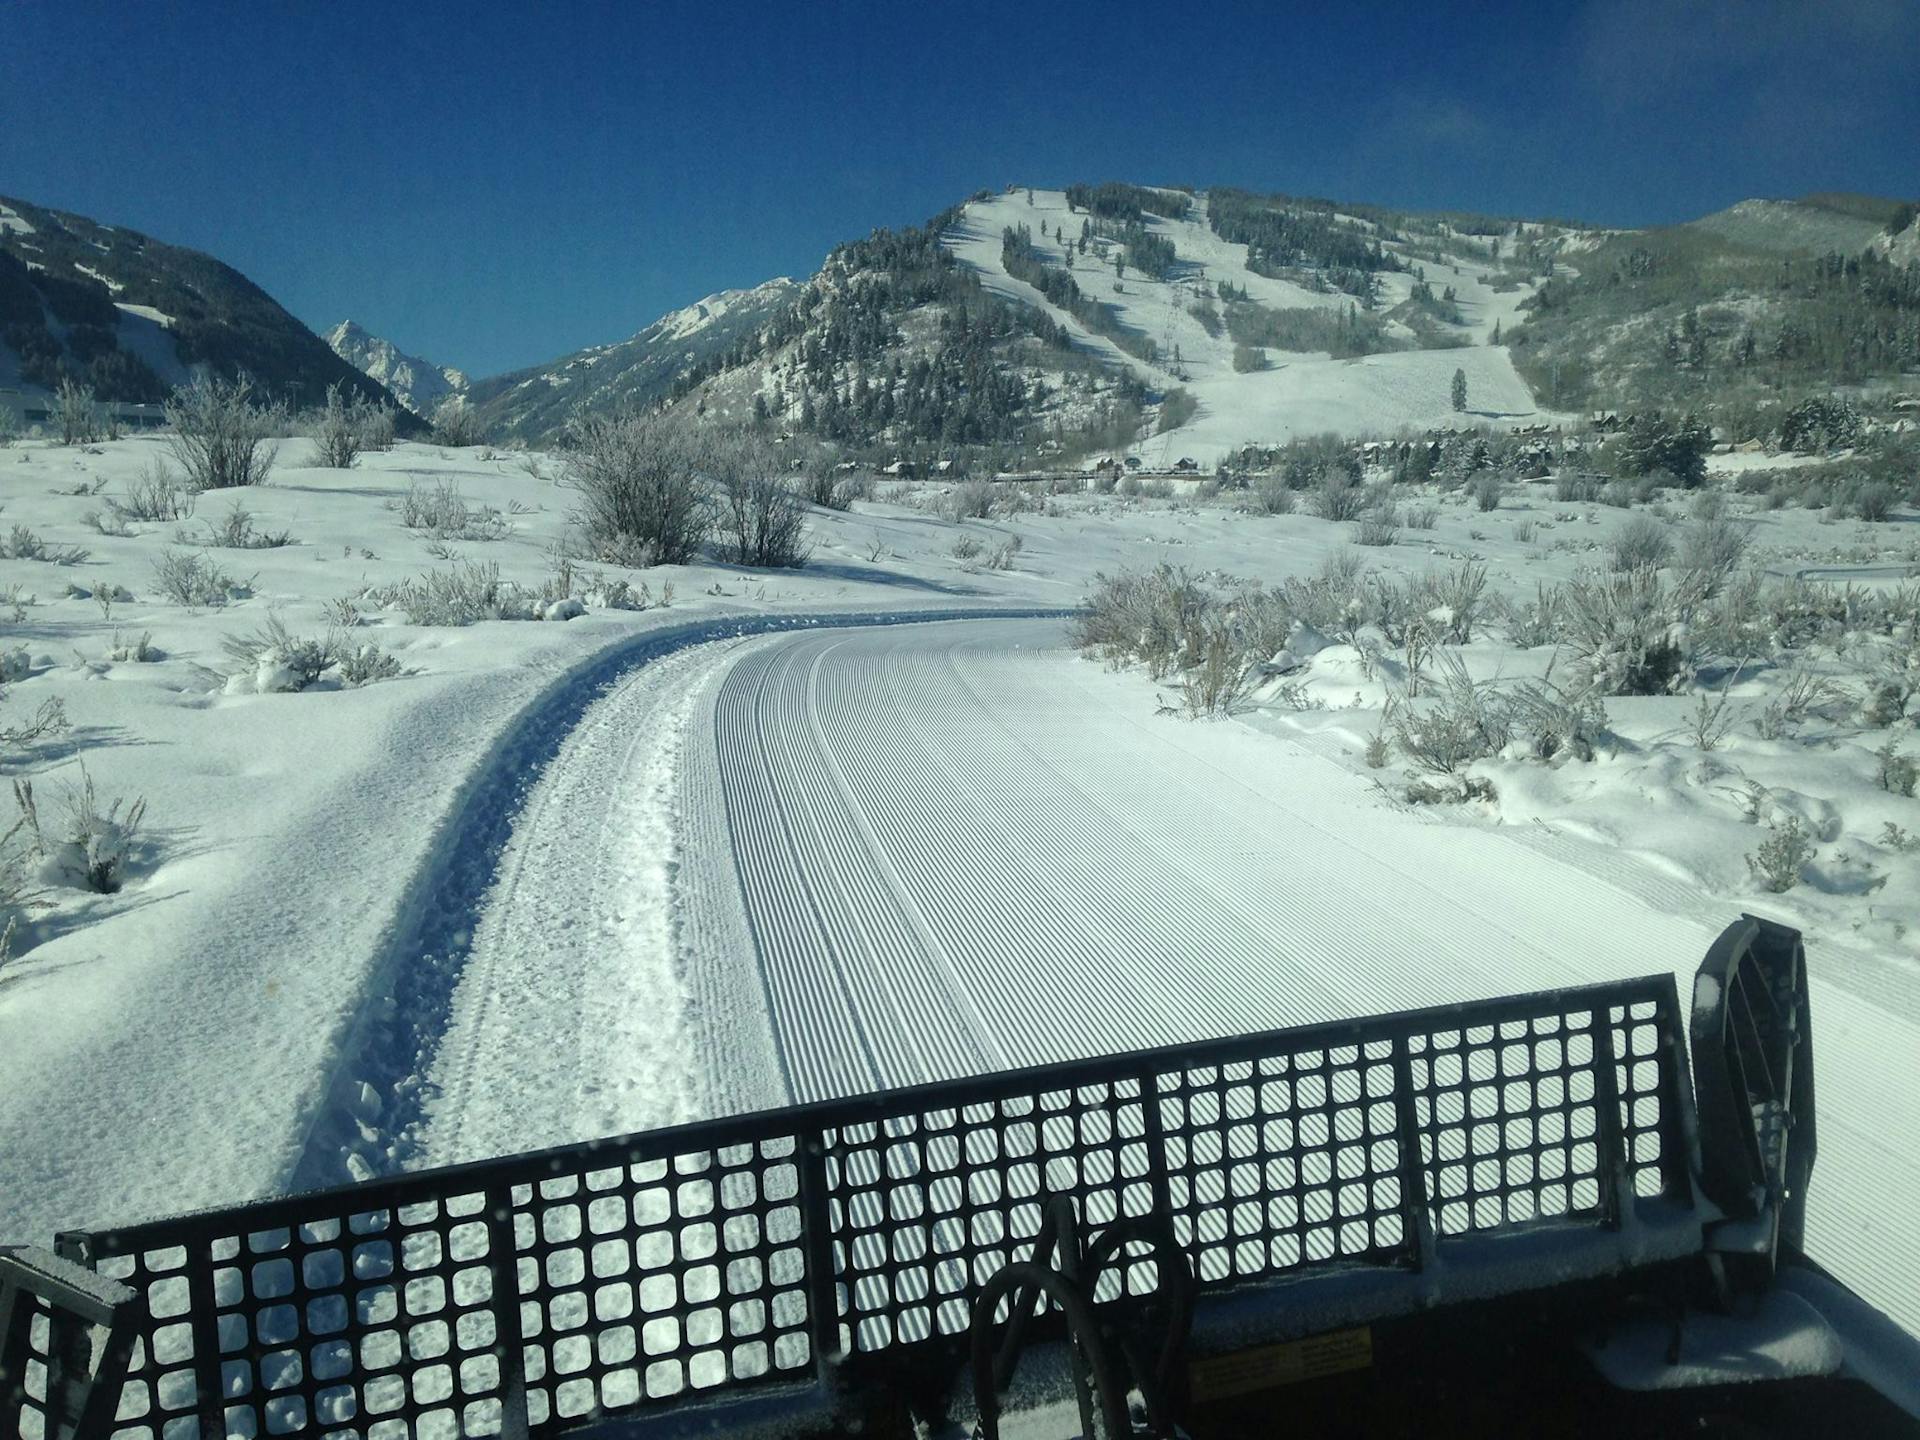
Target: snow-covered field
column 558, row 879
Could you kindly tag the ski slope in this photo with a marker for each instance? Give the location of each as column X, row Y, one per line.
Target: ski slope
column 920, row 852
column 1300, row 393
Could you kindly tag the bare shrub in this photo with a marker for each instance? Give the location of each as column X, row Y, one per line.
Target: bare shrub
column 87, row 846
column 236, row 531
column 1568, row 486
column 77, row 413
column 441, row 510
column 1641, row 543
column 220, row 437
column 967, row 547
column 1781, row 859
column 157, row 495
column 1337, row 497
column 1465, row 721
column 191, row 578
column 641, row 486
column 762, row 516
column 340, row 429
column 1422, row 517
column 23, row 544
column 456, row 424
column 1628, row 632
column 377, row 426
column 1379, row 527
column 364, row 664
column 109, row 522
column 1898, row 774
column 1487, row 490
column 272, row 659
column 1271, row 495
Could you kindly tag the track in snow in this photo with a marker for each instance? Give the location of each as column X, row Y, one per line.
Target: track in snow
column 959, row 849
column 926, row 851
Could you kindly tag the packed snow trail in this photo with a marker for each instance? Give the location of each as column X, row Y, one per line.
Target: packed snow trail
column 960, row 849
column 929, row 851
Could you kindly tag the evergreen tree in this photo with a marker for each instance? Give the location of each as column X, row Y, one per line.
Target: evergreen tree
column 1459, row 390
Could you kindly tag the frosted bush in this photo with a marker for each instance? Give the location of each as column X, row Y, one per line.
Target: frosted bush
column 1711, row 549
column 1381, row 527
column 1898, row 774
column 1556, row 721
column 462, row 595
column 136, row 652
column 1465, row 720
column 969, row 500
column 641, row 484
column 273, row 660
column 236, row 531
column 86, row 847
column 189, row 578
column 219, row 435
column 1452, row 599
column 1641, row 543
column 1155, row 618
column 441, row 510
column 1779, row 862
column 157, row 495
column 339, row 430
column 1271, row 495
column 364, row 664
column 1337, row 497
column 1628, row 632
column 14, row 664
column 1220, row 675
column 1532, row 623
column 21, row 543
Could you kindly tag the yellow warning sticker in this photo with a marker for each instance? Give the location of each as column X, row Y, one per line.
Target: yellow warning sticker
column 1242, row 1372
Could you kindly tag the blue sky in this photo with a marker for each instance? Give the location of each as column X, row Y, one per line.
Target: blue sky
column 493, row 186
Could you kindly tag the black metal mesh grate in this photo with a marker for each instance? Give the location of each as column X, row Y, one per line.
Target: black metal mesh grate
column 36, row 1343
column 649, row 1281
column 1509, row 1119
column 635, row 1273
column 927, row 1204
column 1284, row 1161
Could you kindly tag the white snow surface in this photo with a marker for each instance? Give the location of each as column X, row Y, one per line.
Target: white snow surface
column 562, row 879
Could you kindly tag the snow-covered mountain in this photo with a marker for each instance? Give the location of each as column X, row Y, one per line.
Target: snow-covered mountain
column 132, row 316
column 534, row 403
column 420, row 385
column 1033, row 326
